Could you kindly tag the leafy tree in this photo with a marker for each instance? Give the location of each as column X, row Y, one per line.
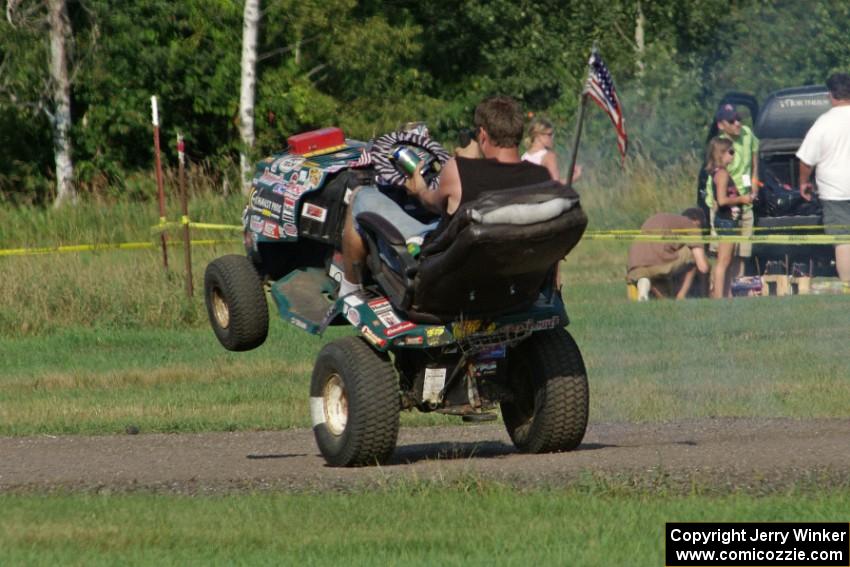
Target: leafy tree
column 41, row 85
column 369, row 65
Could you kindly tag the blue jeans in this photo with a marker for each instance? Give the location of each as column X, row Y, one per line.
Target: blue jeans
column 370, row 199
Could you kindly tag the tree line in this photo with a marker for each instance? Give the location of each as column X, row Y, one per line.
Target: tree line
column 76, row 76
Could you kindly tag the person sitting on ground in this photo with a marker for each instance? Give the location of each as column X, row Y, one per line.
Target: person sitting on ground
column 540, row 141
column 667, row 268
column 499, row 126
column 727, row 214
column 827, row 148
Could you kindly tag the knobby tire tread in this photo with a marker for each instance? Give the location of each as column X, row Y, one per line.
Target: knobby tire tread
column 243, row 291
column 374, row 404
column 561, row 394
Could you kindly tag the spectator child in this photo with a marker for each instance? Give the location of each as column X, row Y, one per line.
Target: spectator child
column 727, row 217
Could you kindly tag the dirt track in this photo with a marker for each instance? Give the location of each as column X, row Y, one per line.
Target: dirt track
column 717, row 454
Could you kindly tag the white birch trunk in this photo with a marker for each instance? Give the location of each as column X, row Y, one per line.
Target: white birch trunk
column 640, row 45
column 60, row 31
column 251, row 18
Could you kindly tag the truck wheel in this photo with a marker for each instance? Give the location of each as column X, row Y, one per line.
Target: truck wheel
column 354, row 404
column 236, row 303
column 547, row 377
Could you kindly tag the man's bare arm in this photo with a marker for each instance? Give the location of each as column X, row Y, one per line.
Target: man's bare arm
column 447, row 196
column 805, row 185
column 550, row 162
column 755, row 177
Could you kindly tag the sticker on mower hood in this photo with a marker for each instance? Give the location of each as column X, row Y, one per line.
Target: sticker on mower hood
column 269, row 178
column 282, row 181
column 436, row 336
column 353, row 315
column 384, row 311
column 315, row 212
column 316, row 176
column 289, row 204
column 256, row 223
column 287, row 163
column 399, row 328
column 265, row 206
column 472, row 326
column 370, row 336
column 464, row 329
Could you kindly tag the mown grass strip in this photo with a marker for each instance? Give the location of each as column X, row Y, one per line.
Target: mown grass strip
column 414, row 523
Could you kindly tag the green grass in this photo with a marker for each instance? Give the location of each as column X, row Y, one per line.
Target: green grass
column 646, row 362
column 465, row 523
column 93, row 341
column 100, row 221
column 666, row 360
column 100, row 380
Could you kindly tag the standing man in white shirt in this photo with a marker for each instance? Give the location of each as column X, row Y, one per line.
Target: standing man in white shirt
column 826, row 149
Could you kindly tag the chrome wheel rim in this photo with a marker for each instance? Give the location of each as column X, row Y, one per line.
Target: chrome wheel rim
column 220, row 310
column 335, row 404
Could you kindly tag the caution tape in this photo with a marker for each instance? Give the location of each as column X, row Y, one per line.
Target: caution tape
column 102, row 247
column 184, row 221
column 700, row 231
column 624, row 235
column 209, row 226
column 163, row 225
column 756, row 238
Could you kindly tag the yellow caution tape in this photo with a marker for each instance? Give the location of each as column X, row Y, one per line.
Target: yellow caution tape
column 625, row 235
column 756, row 238
column 163, row 226
column 99, row 247
column 208, row 226
column 699, row 230
column 199, row 225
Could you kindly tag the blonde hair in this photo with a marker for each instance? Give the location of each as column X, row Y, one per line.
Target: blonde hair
column 536, row 127
column 713, row 155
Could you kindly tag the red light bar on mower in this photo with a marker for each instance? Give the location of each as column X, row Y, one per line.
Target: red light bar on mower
column 317, row 141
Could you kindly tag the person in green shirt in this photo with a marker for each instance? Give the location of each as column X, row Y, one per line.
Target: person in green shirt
column 743, row 170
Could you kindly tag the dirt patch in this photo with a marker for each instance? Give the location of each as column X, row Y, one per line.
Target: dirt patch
column 760, row 455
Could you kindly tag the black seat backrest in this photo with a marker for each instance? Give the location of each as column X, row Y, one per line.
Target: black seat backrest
column 492, row 257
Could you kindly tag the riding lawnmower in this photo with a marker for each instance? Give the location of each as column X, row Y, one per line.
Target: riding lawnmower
column 470, row 321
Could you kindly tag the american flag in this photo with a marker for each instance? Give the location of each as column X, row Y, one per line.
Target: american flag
column 600, row 87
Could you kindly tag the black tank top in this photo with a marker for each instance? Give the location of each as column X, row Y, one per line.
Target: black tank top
column 478, row 175
column 725, row 212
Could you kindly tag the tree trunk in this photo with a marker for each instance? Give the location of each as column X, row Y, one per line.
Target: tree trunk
column 640, row 46
column 251, row 18
column 60, row 31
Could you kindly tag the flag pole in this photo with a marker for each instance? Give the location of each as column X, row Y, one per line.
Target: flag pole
column 582, row 107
